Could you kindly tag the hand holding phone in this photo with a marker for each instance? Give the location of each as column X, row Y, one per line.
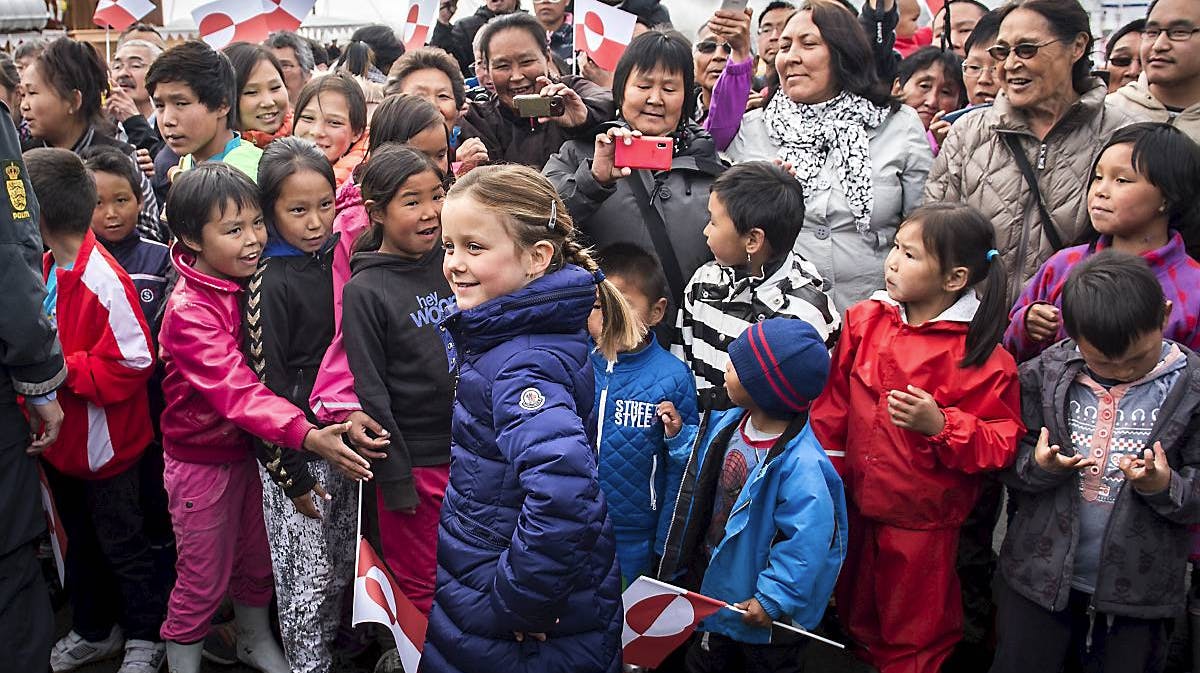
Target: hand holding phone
column 534, row 105
column 652, row 153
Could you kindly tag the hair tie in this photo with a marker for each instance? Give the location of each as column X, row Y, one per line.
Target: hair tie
column 598, row 275
column 992, row 254
column 553, row 216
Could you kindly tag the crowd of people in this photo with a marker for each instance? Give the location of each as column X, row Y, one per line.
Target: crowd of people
column 782, row 313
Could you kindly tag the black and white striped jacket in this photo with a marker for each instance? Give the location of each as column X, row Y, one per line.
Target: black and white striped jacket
column 721, row 302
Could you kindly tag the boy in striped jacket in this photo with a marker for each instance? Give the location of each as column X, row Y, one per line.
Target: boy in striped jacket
column 756, row 210
column 118, row 600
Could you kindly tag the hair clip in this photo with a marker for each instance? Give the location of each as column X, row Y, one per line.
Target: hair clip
column 992, row 254
column 553, row 216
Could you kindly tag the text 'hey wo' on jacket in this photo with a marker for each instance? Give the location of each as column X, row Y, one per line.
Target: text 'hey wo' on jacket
column 524, row 540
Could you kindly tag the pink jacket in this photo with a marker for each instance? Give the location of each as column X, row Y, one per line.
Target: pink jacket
column 333, row 395
column 213, row 398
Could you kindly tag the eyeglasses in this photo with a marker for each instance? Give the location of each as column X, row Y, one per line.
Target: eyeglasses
column 1121, row 61
column 767, row 29
column 1024, row 51
column 1173, row 34
column 974, row 70
column 709, row 46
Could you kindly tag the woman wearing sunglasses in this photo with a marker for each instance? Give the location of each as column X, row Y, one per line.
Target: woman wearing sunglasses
column 1040, row 139
column 860, row 155
column 1123, row 55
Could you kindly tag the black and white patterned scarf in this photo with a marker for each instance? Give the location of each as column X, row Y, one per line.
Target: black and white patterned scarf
column 807, row 133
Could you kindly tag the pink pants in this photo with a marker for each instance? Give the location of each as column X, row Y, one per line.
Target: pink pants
column 216, row 511
column 410, row 540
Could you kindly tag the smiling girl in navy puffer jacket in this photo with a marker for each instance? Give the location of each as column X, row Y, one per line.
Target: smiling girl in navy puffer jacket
column 527, row 572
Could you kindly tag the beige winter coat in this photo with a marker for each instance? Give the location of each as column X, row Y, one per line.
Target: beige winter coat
column 1135, row 98
column 975, row 167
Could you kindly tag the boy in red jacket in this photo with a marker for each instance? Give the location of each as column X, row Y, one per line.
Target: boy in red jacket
column 117, row 600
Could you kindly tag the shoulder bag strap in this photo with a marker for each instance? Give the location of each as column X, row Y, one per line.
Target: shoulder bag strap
column 1014, row 147
column 659, row 236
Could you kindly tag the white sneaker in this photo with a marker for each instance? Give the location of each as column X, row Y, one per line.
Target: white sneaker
column 143, row 656
column 73, row 651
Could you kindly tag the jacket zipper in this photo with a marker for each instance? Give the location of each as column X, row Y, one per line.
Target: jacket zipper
column 679, row 494
column 653, row 476
column 603, row 404
column 549, row 297
column 1023, row 243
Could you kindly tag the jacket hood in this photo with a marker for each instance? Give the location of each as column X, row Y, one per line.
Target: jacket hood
column 1138, row 93
column 557, row 303
column 371, row 260
column 185, row 262
column 1004, row 117
column 961, row 311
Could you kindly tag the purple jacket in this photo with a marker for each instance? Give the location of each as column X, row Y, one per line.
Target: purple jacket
column 1178, row 274
column 728, row 104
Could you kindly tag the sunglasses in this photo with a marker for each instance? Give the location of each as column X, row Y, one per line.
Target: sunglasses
column 709, row 46
column 1121, row 61
column 1024, row 51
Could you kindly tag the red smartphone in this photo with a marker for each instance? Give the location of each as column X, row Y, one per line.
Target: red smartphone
column 652, row 153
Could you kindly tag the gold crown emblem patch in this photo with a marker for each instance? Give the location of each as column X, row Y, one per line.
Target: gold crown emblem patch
column 13, row 172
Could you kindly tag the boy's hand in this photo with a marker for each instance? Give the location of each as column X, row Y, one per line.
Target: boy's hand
column 755, row 614
column 1049, row 459
column 369, row 447
column 916, row 410
column 45, row 420
column 305, row 505
column 145, row 162
column 671, row 420
column 1149, row 474
column 327, row 443
column 1042, row 322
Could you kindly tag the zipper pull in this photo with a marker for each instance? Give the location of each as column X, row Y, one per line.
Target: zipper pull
column 1041, row 162
column 1091, row 613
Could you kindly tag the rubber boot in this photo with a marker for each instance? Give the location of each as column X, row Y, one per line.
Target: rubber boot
column 183, row 658
column 256, row 646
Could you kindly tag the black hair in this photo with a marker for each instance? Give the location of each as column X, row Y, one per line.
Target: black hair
column 108, row 159
column 319, row 53
column 1110, row 300
column 382, row 40
column 302, row 47
column 64, row 189
column 356, row 59
column 30, row 48
column 1135, row 26
column 138, row 27
column 282, row 159
column 772, row 6
column 1067, row 19
column 986, row 31
column 850, row 54
column 202, row 69
column 666, row 49
column 637, row 266
column 386, row 172
column 209, row 188
column 1170, row 160
column 427, row 58
column 959, row 235
column 245, row 57
column 926, row 57
column 399, row 118
column 761, row 195
column 514, row 21
column 337, row 83
column 69, row 66
column 10, row 79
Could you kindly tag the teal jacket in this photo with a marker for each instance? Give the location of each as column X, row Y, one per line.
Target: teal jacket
column 786, row 536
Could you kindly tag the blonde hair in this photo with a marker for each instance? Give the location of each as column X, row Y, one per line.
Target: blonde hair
column 527, row 203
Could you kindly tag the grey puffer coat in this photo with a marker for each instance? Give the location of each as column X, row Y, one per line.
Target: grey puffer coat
column 1145, row 551
column 975, row 167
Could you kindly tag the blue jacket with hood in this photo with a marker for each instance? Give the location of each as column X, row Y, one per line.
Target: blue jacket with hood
column 638, row 474
column 785, row 540
column 524, row 540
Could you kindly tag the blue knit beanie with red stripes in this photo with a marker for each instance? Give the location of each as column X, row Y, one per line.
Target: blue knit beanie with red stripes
column 782, row 363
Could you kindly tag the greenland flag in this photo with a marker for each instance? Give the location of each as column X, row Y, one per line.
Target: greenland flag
column 378, row 599
column 602, row 32
column 120, row 14
column 418, row 23
column 659, row 617
column 286, row 14
column 224, row 22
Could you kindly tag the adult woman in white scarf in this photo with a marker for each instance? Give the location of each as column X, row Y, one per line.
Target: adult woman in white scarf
column 861, row 156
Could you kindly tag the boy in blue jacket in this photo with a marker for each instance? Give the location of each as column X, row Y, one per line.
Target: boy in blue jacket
column 638, row 474
column 761, row 515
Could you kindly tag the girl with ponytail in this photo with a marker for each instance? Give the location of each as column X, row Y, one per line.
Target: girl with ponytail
column 527, row 576
column 920, row 403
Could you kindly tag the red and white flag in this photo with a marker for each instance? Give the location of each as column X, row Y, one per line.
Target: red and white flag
column 224, row 22
column 659, row 617
column 602, row 32
column 120, row 14
column 58, row 536
column 418, row 23
column 378, row 599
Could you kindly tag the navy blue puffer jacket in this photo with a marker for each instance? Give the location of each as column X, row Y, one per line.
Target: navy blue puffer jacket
column 524, row 542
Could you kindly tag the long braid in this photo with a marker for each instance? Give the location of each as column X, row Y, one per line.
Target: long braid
column 255, row 353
